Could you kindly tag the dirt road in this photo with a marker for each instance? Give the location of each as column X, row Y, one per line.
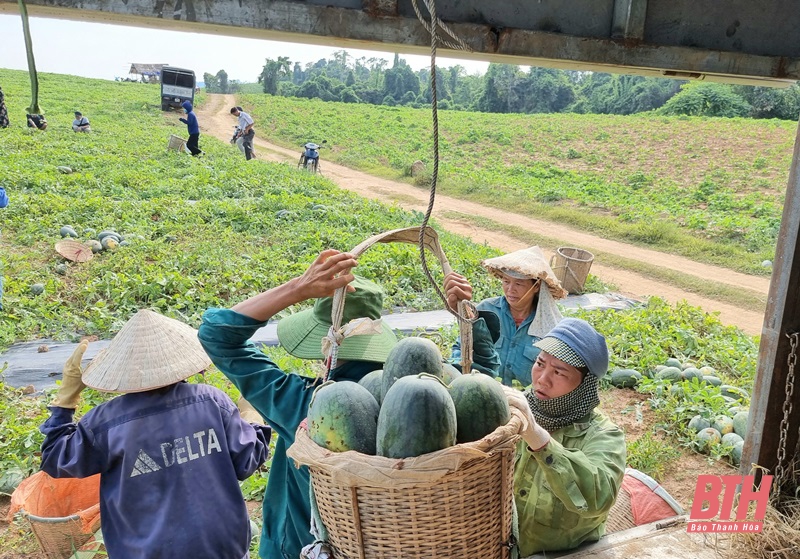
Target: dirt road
column 216, row 120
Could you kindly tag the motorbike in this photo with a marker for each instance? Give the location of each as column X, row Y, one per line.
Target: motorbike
column 309, row 158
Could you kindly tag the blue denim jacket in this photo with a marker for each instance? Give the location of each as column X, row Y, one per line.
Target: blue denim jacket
column 515, row 345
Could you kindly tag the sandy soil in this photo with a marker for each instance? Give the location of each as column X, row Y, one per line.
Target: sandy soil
column 216, row 120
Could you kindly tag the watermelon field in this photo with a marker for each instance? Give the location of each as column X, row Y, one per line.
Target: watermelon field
column 212, row 231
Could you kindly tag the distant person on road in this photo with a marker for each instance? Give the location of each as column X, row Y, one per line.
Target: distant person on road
column 81, row 123
column 525, row 312
column 245, row 130
column 3, row 112
column 170, row 454
column 36, row 121
column 194, row 129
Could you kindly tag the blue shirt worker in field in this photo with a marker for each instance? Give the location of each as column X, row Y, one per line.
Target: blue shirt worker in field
column 571, row 460
column 194, row 129
column 170, row 454
column 281, row 398
column 246, row 131
column 525, row 312
column 81, row 123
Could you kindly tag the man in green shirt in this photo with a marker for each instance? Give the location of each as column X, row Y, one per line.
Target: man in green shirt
column 571, row 461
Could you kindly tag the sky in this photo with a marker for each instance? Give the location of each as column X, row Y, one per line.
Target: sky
column 96, row 50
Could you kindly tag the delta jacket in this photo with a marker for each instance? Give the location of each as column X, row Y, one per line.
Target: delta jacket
column 170, row 461
column 282, row 399
column 564, row 491
column 514, row 345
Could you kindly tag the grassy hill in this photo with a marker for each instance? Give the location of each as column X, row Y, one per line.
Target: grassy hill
column 707, row 188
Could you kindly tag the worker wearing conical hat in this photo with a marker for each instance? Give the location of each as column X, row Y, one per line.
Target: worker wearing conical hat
column 170, row 454
column 525, row 312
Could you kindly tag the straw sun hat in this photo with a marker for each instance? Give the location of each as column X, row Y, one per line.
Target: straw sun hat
column 527, row 263
column 150, row 351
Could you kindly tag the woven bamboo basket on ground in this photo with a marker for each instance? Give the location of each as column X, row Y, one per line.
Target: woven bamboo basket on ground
column 60, row 538
column 63, row 513
column 456, row 502
column 571, row 266
column 177, row 143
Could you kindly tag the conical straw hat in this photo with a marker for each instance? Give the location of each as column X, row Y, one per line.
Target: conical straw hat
column 527, row 263
column 74, row 251
column 150, row 351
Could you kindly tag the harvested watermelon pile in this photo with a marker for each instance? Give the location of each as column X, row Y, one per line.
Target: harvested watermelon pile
column 416, row 405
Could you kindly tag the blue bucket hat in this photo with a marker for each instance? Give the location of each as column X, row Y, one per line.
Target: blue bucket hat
column 576, row 342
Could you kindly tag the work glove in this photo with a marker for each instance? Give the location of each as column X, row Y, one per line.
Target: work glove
column 248, row 412
column 71, row 384
column 533, row 434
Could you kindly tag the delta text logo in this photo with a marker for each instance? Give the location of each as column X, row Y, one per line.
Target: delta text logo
column 719, row 493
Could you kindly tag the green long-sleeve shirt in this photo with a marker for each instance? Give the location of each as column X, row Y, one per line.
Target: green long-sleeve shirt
column 564, row 491
column 282, row 399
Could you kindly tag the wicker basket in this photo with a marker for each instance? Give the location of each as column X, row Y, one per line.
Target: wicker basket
column 571, row 266
column 63, row 513
column 177, row 143
column 456, row 502
column 60, row 538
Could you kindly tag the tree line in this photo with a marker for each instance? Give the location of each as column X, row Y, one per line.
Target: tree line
column 506, row 88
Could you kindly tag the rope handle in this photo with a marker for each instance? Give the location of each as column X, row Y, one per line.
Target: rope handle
column 467, row 313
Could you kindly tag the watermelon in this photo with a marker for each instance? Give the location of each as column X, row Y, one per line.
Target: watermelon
column 691, row 372
column 417, row 416
column 698, row 423
column 61, row 268
column 688, row 365
column 68, row 231
column 712, row 380
column 723, row 424
column 672, row 374
column 672, row 362
column 109, row 242
column 731, row 439
column 343, row 416
column 94, row 245
column 37, row 288
column 740, row 423
column 372, row 381
column 108, row 233
column 710, row 371
column 625, row 378
column 411, row 356
column 733, row 392
column 481, row 406
column 706, row 438
column 449, row 373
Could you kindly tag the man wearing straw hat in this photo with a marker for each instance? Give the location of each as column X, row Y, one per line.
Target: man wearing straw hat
column 525, row 312
column 281, row 398
column 170, row 454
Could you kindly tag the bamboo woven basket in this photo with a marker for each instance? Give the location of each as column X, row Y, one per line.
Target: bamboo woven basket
column 456, row 502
